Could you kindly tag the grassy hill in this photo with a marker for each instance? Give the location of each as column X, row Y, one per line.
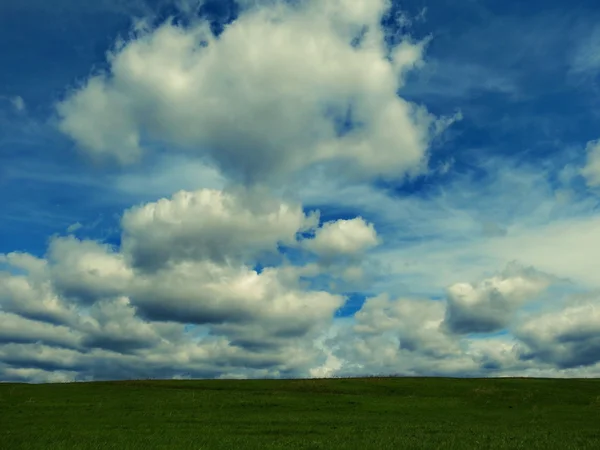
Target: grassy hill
column 360, row 413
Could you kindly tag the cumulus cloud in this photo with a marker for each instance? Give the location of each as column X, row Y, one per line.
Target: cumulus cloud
column 398, row 336
column 416, row 323
column 204, row 293
column 31, row 295
column 489, row 306
column 568, row 337
column 15, row 328
column 87, row 270
column 280, row 89
column 203, row 318
column 204, row 309
column 210, row 224
column 343, row 238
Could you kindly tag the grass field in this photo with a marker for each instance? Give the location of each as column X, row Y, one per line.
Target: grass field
column 361, row 413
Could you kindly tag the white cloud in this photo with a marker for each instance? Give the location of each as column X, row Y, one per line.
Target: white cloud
column 401, row 336
column 489, row 306
column 458, row 232
column 343, row 238
column 17, row 329
column 210, row 224
column 259, row 114
column 568, row 336
column 86, row 270
column 32, row 296
column 101, row 310
column 564, row 247
column 416, row 323
column 100, row 120
column 208, row 293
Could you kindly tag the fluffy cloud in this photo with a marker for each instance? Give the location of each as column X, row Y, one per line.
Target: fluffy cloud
column 86, row 270
column 205, row 293
column 343, row 238
column 210, row 224
column 391, row 336
column 203, row 318
column 568, row 337
column 281, row 88
column 203, row 309
column 415, row 323
column 17, row 329
column 31, row 295
column 489, row 305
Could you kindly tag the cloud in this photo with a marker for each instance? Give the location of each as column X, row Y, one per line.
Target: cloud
column 567, row 337
column 585, row 60
column 205, row 293
column 88, row 305
column 591, row 170
column 31, row 295
column 457, row 231
column 307, row 96
column 74, row 227
column 210, row 224
column 17, row 329
column 86, row 270
column 18, row 103
column 343, row 238
column 415, row 322
column 489, row 306
column 397, row 336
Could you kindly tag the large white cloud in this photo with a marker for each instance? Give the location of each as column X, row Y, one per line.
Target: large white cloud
column 567, row 337
column 416, row 323
column 489, row 305
column 210, row 224
column 87, row 270
column 31, row 294
column 205, row 293
column 267, row 97
column 89, row 305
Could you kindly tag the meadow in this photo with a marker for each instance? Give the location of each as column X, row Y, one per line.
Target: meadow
column 356, row 413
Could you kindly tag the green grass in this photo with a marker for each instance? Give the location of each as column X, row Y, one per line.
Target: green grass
column 390, row 413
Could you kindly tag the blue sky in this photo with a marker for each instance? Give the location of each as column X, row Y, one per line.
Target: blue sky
column 457, row 210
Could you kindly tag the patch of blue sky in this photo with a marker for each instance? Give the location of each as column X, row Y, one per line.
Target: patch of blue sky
column 199, row 332
column 354, row 302
column 5, row 267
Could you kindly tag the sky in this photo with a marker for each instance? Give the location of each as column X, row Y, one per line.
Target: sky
column 299, row 188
